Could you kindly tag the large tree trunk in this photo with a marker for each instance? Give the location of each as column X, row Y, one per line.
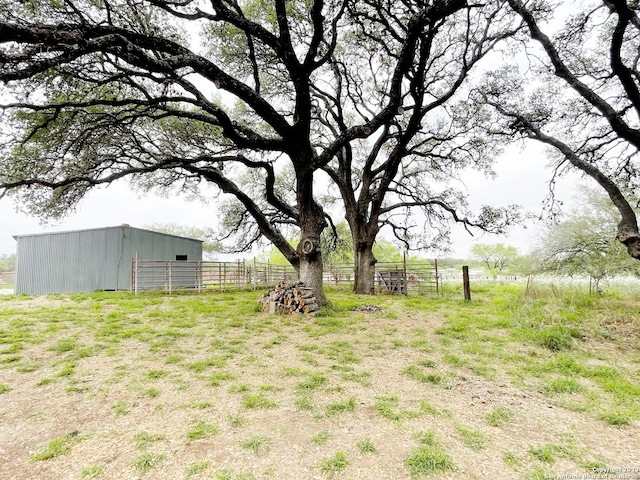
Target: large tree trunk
column 310, row 266
column 364, row 269
column 311, row 274
column 312, row 223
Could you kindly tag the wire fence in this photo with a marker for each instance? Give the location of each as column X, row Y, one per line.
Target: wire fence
column 415, row 278
column 7, row 278
column 398, row 278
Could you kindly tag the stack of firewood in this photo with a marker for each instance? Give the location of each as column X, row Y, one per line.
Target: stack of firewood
column 295, row 298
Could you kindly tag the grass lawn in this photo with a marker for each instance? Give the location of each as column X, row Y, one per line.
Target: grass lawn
column 188, row 386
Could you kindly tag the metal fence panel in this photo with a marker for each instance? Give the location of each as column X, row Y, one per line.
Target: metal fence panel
column 413, row 279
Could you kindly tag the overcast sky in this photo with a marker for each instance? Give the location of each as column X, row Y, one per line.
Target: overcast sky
column 522, row 179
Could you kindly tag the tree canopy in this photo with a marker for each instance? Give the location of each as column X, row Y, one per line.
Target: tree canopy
column 577, row 91
column 7, row 262
column 273, row 102
column 496, row 258
column 401, row 178
column 210, row 247
column 254, row 97
column 583, row 243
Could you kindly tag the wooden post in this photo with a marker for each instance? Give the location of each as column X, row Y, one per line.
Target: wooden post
column 435, row 263
column 224, row 276
column 466, row 284
column 404, row 286
column 254, row 274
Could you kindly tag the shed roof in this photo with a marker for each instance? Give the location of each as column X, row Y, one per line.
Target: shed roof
column 124, row 225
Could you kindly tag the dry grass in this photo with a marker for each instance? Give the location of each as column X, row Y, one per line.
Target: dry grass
column 110, row 386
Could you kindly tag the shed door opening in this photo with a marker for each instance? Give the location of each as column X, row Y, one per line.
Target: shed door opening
column 181, row 257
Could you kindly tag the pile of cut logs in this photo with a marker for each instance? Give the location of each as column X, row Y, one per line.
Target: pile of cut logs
column 294, row 298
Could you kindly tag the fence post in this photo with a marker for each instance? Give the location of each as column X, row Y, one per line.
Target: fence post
column 135, row 274
column 170, row 279
column 254, row 274
column 404, row 286
column 435, row 262
column 466, row 284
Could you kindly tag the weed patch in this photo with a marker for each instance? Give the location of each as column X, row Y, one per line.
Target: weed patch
column 92, row 471
column 57, row 447
column 617, row 418
column 365, row 445
column 147, row 461
column 474, row 439
column 216, row 378
column 335, row 464
column 499, row 416
column 65, row 345
column 202, row 429
column 121, row 407
column 144, row 440
column 258, row 401
column 202, row 365
column 313, row 380
column 429, row 457
column 237, row 420
column 321, row 437
column 341, row 406
column 387, row 407
column 197, row 468
column 550, row 452
column 418, row 373
column 512, row 460
column 256, row 443
column 562, row 385
column 557, row 337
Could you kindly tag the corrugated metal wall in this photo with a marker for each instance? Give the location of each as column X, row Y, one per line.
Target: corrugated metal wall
column 88, row 260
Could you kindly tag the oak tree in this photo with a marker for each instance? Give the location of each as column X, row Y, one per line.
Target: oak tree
column 496, row 258
column 577, row 92
column 583, row 244
column 402, row 178
column 176, row 94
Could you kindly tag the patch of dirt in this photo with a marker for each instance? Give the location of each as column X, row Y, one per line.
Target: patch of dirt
column 365, row 307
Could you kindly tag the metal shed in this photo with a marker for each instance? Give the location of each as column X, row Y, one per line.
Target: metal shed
column 93, row 259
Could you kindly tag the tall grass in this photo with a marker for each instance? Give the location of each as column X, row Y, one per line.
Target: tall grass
column 543, row 337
